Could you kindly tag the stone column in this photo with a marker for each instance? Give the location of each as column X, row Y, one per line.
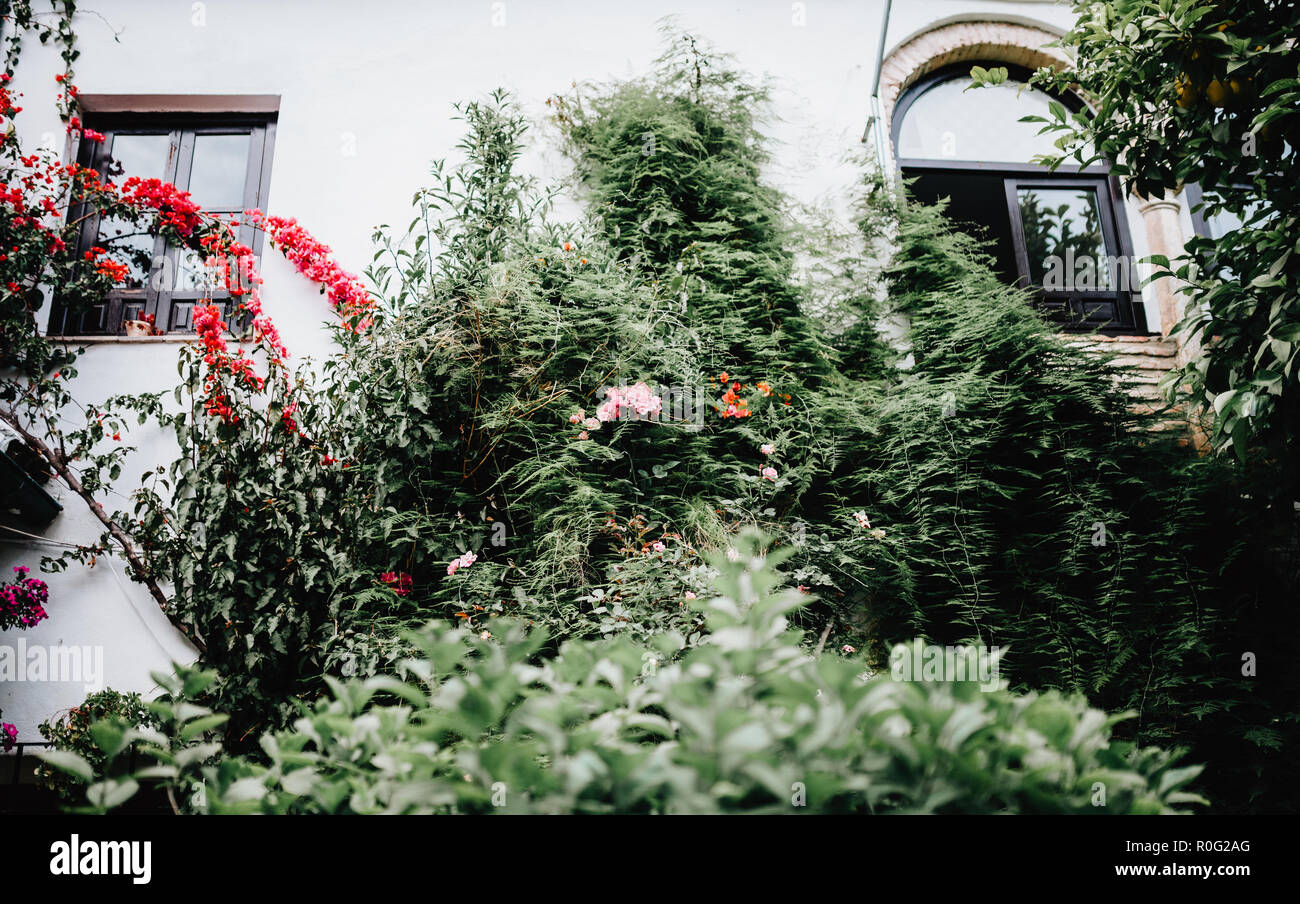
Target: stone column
column 1164, row 231
column 1164, row 237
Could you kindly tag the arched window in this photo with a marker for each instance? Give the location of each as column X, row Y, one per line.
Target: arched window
column 1061, row 233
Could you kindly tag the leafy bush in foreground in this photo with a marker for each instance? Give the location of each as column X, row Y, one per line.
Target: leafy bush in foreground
column 746, row 722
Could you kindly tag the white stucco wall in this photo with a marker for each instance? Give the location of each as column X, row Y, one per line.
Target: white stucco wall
column 366, row 92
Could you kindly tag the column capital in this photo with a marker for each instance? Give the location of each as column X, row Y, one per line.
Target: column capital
column 1166, row 203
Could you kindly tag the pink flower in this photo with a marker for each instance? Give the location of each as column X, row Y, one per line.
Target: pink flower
column 690, row 594
column 847, row 649
column 583, row 435
column 767, row 448
column 578, row 417
column 635, row 402
column 462, row 561
column 658, row 546
column 769, row 473
column 863, row 521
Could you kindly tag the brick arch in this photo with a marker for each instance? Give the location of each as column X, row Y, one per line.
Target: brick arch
column 1006, row 42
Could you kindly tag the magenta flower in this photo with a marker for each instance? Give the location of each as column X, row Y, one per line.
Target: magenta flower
column 22, row 603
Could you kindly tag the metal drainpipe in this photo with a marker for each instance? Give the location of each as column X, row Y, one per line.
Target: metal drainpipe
column 876, row 118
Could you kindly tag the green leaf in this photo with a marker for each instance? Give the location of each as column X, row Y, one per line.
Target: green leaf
column 196, row 727
column 67, row 761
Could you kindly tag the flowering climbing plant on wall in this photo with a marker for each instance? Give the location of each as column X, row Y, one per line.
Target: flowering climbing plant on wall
column 246, row 404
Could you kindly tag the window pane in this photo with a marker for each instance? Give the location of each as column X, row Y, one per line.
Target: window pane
column 194, row 275
column 196, row 272
column 128, row 244
column 1064, row 239
column 145, row 156
column 947, row 121
column 218, row 170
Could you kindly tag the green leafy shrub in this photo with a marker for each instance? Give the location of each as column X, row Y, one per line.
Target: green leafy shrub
column 277, row 606
column 745, row 723
column 490, row 378
column 1026, row 507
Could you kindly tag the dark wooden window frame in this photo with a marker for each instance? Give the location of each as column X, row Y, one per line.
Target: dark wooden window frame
column 182, row 118
column 1086, row 306
column 1070, row 308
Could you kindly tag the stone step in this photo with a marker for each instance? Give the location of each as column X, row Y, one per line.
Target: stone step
column 1140, row 364
column 1143, row 362
column 1164, row 349
column 1144, row 391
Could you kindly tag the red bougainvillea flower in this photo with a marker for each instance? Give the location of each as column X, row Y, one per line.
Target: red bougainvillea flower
column 313, row 259
column 173, row 206
column 399, row 581
column 113, row 270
